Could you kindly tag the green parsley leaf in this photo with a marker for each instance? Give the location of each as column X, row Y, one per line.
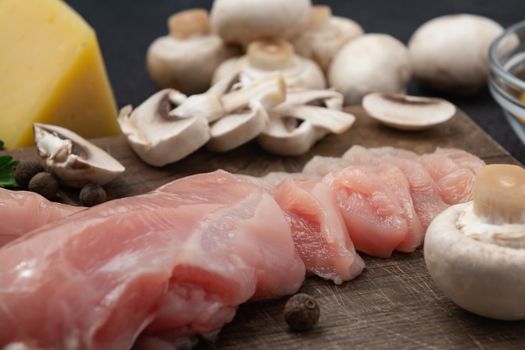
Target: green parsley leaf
column 7, row 171
column 1, row 145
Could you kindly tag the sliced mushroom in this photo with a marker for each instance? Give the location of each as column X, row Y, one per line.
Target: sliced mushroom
column 169, row 126
column 325, row 36
column 159, row 138
column 475, row 252
column 72, row 158
column 237, row 128
column 303, row 119
column 269, row 56
column 187, row 58
column 246, row 113
column 370, row 63
column 242, row 22
column 408, row 112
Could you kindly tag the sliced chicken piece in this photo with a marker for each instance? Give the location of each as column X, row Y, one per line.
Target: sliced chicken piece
column 455, row 183
column 462, row 158
column 372, row 211
column 318, row 230
column 320, row 166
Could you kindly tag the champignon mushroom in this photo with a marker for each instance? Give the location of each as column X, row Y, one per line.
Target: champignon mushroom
column 241, row 22
column 370, row 63
column 246, row 113
column 269, row 56
column 408, row 112
column 187, row 58
column 303, row 119
column 72, row 158
column 159, row 138
column 475, row 252
column 169, row 126
column 450, row 53
column 325, row 36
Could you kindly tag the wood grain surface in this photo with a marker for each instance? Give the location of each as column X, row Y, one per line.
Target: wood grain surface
column 393, row 304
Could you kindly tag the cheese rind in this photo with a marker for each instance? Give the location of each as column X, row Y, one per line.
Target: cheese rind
column 51, row 72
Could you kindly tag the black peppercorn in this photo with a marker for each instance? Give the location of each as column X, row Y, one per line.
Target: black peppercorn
column 44, row 184
column 25, row 171
column 301, row 312
column 92, row 194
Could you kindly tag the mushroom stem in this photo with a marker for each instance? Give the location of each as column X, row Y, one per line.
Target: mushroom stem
column 268, row 91
column 499, row 194
column 189, row 23
column 270, row 54
column 320, row 16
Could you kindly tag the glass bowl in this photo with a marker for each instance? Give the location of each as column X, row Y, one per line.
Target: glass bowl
column 507, row 75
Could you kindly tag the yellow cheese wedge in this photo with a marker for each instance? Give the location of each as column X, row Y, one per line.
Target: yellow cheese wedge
column 51, row 71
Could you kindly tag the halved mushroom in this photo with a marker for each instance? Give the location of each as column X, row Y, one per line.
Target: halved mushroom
column 266, row 57
column 325, row 36
column 187, row 58
column 246, row 112
column 303, row 119
column 242, row 22
column 72, row 158
column 408, row 112
column 475, row 252
column 159, row 138
column 169, row 126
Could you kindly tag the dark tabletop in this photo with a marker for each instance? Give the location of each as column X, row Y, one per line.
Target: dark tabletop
column 126, row 28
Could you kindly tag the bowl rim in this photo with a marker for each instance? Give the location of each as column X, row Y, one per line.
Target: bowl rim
column 494, row 62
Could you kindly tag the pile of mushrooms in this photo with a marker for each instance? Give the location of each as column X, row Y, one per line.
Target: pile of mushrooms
column 170, row 125
column 311, row 49
column 475, row 252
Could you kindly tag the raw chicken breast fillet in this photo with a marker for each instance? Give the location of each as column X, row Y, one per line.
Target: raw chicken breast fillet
column 318, row 230
column 170, row 264
column 22, row 212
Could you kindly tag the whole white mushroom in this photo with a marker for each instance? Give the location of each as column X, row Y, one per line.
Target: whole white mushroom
column 265, row 57
column 370, row 63
column 325, row 36
column 475, row 252
column 243, row 21
column 450, row 53
column 186, row 59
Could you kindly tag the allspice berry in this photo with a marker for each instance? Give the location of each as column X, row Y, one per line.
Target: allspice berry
column 92, row 194
column 44, row 184
column 301, row 312
column 25, row 171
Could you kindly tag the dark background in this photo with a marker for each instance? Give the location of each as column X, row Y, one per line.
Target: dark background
column 126, row 28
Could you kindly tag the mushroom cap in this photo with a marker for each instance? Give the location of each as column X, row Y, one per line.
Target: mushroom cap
column 408, row 112
column 158, row 138
column 186, row 65
column 269, row 56
column 370, row 63
column 325, row 36
column 240, row 21
column 450, row 53
column 73, row 159
column 481, row 277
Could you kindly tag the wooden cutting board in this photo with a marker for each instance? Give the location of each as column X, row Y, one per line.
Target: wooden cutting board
column 393, row 304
